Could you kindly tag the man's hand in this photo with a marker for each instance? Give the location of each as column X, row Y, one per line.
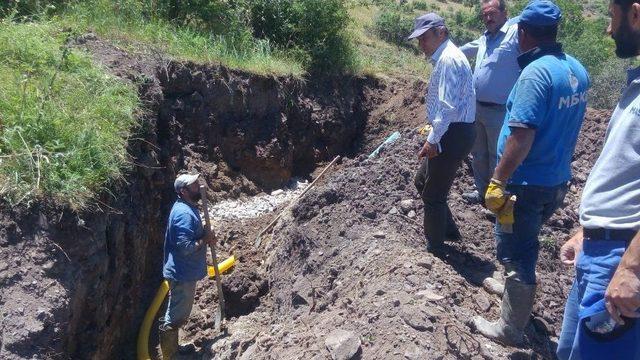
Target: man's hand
column 429, row 150
column 623, row 294
column 570, row 250
column 496, row 196
column 209, row 238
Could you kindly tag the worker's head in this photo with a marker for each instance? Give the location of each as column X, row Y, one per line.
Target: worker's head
column 187, row 187
column 430, row 31
column 538, row 24
column 493, row 14
column 624, row 27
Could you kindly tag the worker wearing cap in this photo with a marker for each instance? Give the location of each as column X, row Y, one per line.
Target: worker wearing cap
column 600, row 314
column 450, row 104
column 496, row 53
column 184, row 260
column 544, row 114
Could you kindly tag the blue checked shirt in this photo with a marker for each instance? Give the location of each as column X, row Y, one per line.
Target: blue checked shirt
column 496, row 69
column 450, row 97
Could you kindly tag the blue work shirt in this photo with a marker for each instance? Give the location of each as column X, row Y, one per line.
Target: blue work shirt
column 550, row 96
column 183, row 261
column 496, row 68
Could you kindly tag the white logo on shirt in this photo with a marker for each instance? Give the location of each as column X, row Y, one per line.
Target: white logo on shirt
column 572, row 100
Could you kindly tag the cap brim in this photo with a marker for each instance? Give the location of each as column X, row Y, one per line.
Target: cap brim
column 417, row 33
column 192, row 178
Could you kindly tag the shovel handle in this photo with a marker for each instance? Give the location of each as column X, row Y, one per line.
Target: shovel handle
column 214, row 257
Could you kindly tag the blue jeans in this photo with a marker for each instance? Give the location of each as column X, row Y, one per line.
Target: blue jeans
column 595, row 267
column 518, row 250
column 180, row 302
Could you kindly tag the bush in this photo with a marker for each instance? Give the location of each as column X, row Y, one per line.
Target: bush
column 607, row 85
column 392, row 26
column 314, row 31
column 29, row 8
column 420, row 5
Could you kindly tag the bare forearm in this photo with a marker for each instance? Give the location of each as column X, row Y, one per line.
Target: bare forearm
column 516, row 150
column 631, row 257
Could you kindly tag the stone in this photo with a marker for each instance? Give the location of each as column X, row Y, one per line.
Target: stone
column 483, row 303
column 342, row 344
column 415, row 353
column 427, row 264
column 417, row 319
column 429, row 295
column 493, row 286
column 411, row 214
column 393, row 211
column 406, row 206
column 379, row 235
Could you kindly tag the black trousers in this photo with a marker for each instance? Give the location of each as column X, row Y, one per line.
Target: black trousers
column 435, row 177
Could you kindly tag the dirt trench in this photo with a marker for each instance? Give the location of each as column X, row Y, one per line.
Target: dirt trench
column 77, row 284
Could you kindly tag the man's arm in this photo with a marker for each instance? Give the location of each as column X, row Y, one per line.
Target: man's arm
column 470, row 49
column 451, row 79
column 623, row 294
column 516, row 150
column 185, row 232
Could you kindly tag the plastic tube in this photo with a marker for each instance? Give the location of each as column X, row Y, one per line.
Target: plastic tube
column 145, row 328
column 149, row 316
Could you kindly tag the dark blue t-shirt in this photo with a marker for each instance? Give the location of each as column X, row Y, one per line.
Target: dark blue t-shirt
column 182, row 260
column 550, row 96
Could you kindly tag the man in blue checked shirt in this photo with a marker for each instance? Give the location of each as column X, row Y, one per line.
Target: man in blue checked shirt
column 450, row 105
column 185, row 260
column 496, row 70
column 544, row 114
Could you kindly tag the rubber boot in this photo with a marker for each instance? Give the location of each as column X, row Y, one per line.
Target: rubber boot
column 517, row 303
column 168, row 343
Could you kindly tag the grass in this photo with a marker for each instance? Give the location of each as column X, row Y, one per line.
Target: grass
column 65, row 121
column 130, row 29
column 378, row 57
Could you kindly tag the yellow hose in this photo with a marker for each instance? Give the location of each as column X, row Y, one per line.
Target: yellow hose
column 222, row 267
column 149, row 317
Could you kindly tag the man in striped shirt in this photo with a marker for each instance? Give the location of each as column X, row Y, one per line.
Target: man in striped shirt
column 450, row 105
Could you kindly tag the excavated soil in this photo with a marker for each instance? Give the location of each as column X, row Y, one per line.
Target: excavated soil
column 351, row 256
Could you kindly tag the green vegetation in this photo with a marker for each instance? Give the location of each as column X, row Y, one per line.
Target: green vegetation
column 65, row 122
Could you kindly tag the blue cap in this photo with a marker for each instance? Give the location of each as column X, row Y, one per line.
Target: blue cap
column 424, row 23
column 541, row 13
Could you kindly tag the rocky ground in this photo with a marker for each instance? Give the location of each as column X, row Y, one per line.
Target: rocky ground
column 346, row 273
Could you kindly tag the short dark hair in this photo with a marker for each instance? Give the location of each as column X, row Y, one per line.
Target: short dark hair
column 502, row 4
column 541, row 33
column 625, row 4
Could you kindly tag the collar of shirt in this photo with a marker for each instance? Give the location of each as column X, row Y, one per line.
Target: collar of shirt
column 502, row 29
column 633, row 74
column 538, row 52
column 436, row 55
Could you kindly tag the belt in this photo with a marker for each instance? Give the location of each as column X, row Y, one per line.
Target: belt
column 489, row 104
column 608, row 234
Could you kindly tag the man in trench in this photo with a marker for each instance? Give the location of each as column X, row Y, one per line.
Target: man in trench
column 600, row 318
column 185, row 251
column 450, row 110
column 544, row 116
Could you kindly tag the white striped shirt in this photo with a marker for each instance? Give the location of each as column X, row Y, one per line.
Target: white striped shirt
column 450, row 97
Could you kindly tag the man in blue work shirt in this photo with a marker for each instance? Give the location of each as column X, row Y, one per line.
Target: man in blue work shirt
column 600, row 314
column 496, row 70
column 185, row 263
column 544, row 115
